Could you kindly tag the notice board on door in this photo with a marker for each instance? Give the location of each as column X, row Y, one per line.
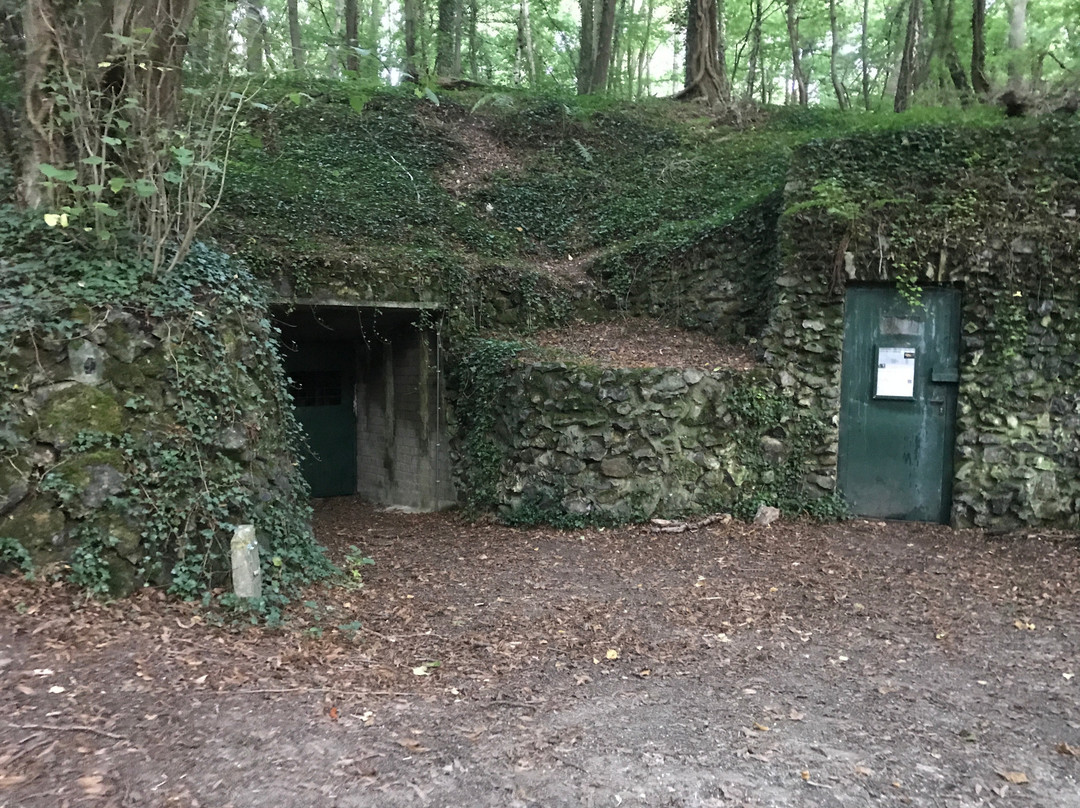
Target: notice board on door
column 895, row 377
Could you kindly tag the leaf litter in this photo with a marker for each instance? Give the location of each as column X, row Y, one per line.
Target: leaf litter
column 458, row 618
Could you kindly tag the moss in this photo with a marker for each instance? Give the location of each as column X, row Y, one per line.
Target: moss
column 75, row 470
column 76, row 409
column 38, row 525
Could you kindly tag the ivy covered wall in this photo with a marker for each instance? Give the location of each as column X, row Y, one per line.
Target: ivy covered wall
column 570, row 444
column 993, row 211
column 141, row 418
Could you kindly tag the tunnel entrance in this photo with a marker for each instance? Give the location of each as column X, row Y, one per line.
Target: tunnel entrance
column 367, row 384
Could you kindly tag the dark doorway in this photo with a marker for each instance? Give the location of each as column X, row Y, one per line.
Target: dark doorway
column 368, row 390
column 898, row 403
column 321, row 375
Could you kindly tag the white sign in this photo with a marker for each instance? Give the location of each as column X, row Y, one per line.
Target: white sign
column 895, row 373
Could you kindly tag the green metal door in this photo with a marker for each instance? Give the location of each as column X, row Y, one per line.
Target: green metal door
column 322, row 376
column 898, row 403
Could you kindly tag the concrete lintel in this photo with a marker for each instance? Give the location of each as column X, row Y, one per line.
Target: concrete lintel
column 331, row 302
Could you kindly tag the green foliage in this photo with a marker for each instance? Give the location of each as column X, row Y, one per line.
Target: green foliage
column 14, row 556
column 761, row 413
column 352, row 568
column 478, row 380
column 545, row 508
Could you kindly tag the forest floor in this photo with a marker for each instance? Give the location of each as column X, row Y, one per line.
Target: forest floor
column 798, row 664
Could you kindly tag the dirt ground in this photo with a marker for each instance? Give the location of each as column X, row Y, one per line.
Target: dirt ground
column 792, row 665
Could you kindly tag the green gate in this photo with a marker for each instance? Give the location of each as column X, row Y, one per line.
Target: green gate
column 323, row 380
column 898, row 403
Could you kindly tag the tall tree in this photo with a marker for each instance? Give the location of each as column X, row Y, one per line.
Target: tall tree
column 448, row 39
column 295, row 41
column 704, row 77
column 643, row 50
column 595, row 54
column 864, row 53
column 411, row 21
column 800, row 88
column 587, row 49
column 754, row 36
column 352, row 34
column 1017, row 42
column 834, row 50
column 906, row 80
column 254, row 36
column 979, row 82
column 526, row 54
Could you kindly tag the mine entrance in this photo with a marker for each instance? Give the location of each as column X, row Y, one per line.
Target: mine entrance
column 367, row 385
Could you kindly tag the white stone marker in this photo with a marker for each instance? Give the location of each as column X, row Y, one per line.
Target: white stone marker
column 246, row 572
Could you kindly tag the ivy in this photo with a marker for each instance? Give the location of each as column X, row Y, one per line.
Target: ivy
column 479, row 378
column 184, row 491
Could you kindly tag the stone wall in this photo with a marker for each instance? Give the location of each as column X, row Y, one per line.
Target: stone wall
column 592, row 444
column 140, row 440
column 993, row 212
column 720, row 281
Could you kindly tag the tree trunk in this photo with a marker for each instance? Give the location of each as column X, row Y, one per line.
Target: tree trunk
column 614, row 79
column 294, row 36
column 587, row 49
column 525, row 61
column 77, row 44
column 704, row 77
column 864, row 53
column 1017, row 41
column 952, row 58
column 800, row 90
column 841, row 95
column 643, row 51
column 254, row 37
column 721, row 52
column 604, row 38
column 979, row 83
column 755, row 48
column 448, row 39
column 373, row 67
column 474, row 40
column 905, row 78
column 333, row 62
column 411, row 12
column 352, row 36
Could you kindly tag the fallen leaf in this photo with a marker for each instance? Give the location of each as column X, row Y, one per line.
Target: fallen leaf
column 8, row 780
column 201, row 679
column 422, row 670
column 863, row 771
column 25, row 690
column 1016, row 778
column 804, row 774
column 644, row 673
column 333, row 713
column 612, row 654
column 93, row 785
column 1064, row 749
column 760, row 727
column 57, row 689
column 582, row 679
column 795, row 715
column 1067, row 676
column 413, row 745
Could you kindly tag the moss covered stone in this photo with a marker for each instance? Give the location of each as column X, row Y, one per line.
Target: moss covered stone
column 38, row 525
column 76, row 409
